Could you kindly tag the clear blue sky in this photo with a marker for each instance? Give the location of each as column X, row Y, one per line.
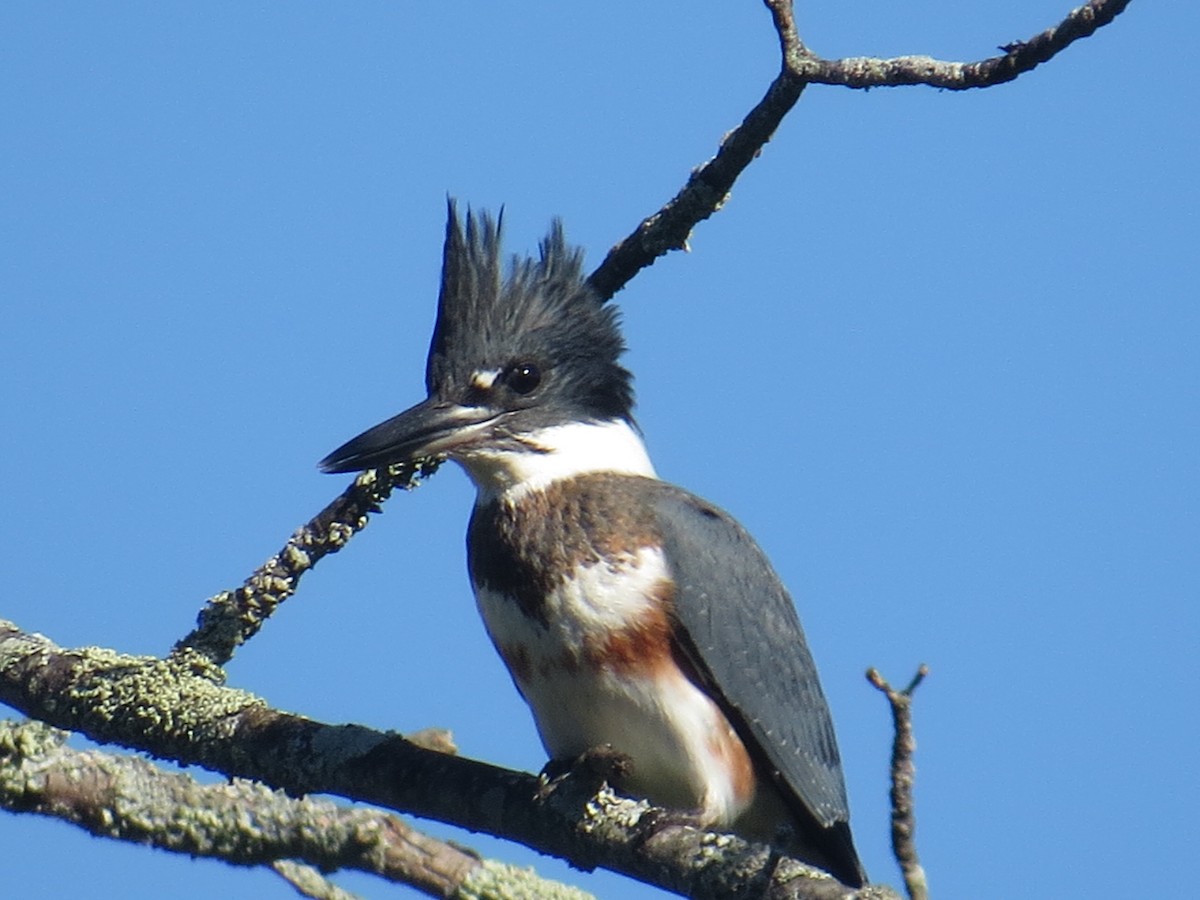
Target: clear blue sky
column 939, row 353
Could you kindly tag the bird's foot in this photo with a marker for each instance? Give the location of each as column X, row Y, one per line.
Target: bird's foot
column 589, row 770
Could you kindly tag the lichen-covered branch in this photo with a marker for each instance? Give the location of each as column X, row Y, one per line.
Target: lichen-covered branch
column 309, row 882
column 231, row 618
column 903, row 777
column 241, row 822
column 708, row 186
column 176, row 708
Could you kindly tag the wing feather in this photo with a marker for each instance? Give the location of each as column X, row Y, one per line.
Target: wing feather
column 741, row 632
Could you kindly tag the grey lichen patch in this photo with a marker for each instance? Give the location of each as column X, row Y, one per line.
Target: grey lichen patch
column 714, row 846
column 115, row 691
column 340, row 533
column 28, row 740
column 296, row 558
column 608, row 810
column 309, row 882
column 368, row 479
column 235, row 820
column 792, row 870
column 492, row 880
column 195, row 663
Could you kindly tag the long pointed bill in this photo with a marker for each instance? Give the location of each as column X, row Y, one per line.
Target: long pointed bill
column 430, row 428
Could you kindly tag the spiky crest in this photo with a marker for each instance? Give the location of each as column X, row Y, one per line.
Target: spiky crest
column 542, row 311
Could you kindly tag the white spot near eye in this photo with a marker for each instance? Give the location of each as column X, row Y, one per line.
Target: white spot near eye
column 485, row 378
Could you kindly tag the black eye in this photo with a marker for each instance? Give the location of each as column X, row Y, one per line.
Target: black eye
column 523, row 377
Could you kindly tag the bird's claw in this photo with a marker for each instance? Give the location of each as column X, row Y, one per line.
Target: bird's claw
column 593, row 768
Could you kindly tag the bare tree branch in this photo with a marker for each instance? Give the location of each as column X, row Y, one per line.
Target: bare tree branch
column 706, row 190
column 177, row 708
column 708, row 186
column 231, row 618
column 904, row 772
column 1019, row 57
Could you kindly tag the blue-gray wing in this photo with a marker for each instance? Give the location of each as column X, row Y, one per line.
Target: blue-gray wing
column 741, row 632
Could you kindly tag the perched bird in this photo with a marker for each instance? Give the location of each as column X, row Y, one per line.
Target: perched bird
column 629, row 612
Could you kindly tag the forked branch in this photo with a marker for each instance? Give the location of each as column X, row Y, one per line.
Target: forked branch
column 708, row 187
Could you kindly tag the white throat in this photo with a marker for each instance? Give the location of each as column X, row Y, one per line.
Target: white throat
column 555, row 453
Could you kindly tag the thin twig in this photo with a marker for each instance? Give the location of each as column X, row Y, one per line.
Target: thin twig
column 903, row 774
column 704, row 193
column 1019, row 57
column 708, row 186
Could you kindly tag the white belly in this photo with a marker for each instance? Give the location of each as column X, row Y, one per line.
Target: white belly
column 600, row 672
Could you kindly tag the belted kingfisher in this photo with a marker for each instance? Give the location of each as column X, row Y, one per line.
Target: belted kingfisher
column 629, row 612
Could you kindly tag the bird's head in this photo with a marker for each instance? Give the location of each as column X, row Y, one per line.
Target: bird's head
column 517, row 355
